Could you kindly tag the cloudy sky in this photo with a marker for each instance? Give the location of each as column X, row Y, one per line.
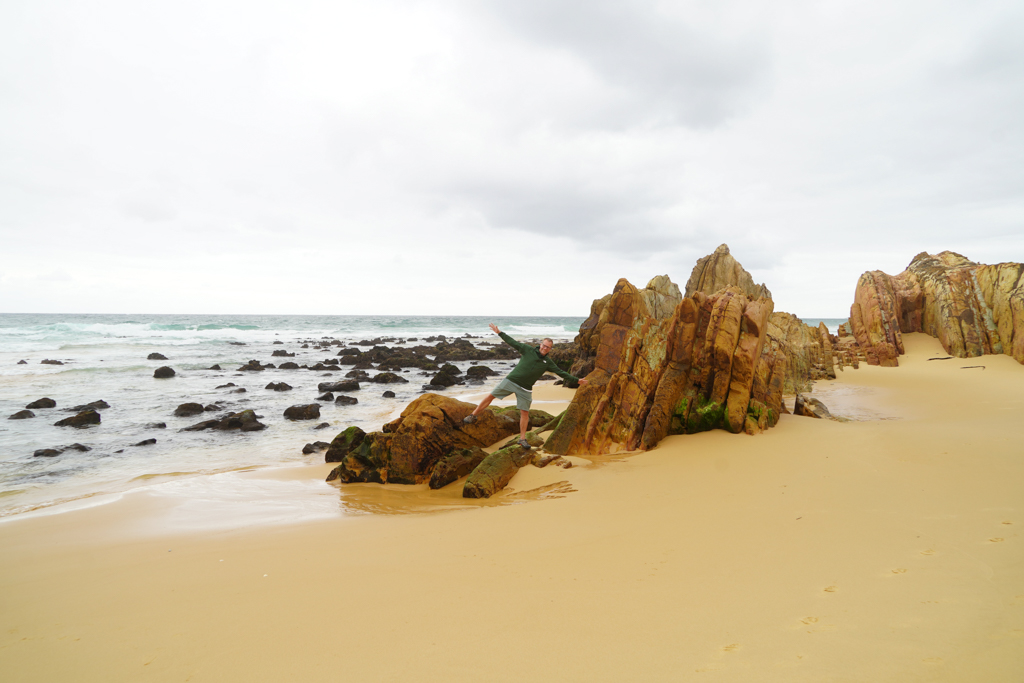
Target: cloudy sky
column 495, row 157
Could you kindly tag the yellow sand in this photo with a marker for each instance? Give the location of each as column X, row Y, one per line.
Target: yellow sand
column 886, row 549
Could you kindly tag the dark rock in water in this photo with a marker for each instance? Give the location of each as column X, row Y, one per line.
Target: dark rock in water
column 50, row 362
column 304, row 346
column 22, row 415
column 323, row 425
column 346, row 400
column 315, row 447
column 244, row 420
column 157, row 425
column 164, row 372
column 213, row 407
column 46, row 453
column 282, row 352
column 388, row 394
column 215, row 366
column 22, row 362
column 810, row 407
column 358, row 375
column 237, row 343
column 225, row 386
column 349, row 352
column 388, row 378
column 480, row 372
column 156, row 356
column 443, row 379
column 456, row 465
column 344, row 385
column 82, row 419
column 279, row 386
column 343, row 444
column 252, row 366
column 145, row 442
column 95, row 405
column 278, row 342
column 327, row 396
column 188, row 409
column 240, row 390
column 451, row 369
column 288, row 366
column 269, row 366
column 310, row 411
column 81, row 448
column 42, row 403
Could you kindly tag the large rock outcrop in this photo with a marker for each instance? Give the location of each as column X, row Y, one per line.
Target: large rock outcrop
column 719, row 270
column 971, row 308
column 407, row 449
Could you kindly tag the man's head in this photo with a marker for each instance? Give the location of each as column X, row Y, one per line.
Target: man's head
column 545, row 346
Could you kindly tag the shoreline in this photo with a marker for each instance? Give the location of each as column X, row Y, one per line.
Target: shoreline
column 819, row 550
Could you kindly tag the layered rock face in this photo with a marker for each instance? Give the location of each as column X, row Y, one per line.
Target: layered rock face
column 971, row 308
column 719, row 270
column 407, row 450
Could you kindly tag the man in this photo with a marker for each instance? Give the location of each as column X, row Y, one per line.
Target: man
column 531, row 366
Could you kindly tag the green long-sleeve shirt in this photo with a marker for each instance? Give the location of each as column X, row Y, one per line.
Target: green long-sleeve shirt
column 532, row 365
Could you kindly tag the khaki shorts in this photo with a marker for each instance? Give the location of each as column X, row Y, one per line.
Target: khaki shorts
column 524, row 397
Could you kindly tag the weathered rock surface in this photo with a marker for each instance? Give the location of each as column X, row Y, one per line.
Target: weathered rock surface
column 82, row 419
column 164, row 372
column 188, row 409
column 808, row 406
column 145, row 442
column 344, row 385
column 388, row 378
column 283, row 353
column 315, row 447
column 156, row 356
column 42, row 403
column 498, row 468
column 971, row 308
column 343, row 400
column 245, row 421
column 406, row 450
column 456, row 465
column 47, row 361
column 289, row 365
column 22, row 415
column 252, row 366
column 343, row 444
column 309, row 411
column 720, row 270
column 278, row 386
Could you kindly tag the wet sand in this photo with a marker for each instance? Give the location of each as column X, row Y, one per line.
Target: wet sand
column 886, row 548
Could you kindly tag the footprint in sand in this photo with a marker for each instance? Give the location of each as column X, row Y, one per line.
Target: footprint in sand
column 809, row 620
column 1007, row 522
column 899, row 570
column 928, row 552
column 731, row 648
column 830, row 589
column 995, row 540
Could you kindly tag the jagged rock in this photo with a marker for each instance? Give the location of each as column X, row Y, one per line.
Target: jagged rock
column 456, row 465
column 156, row 356
column 481, row 372
column 81, row 448
column 252, row 366
column 42, row 403
column 388, row 394
column 145, row 442
column 22, row 415
column 188, row 409
column 279, row 386
column 289, row 365
column 972, row 309
column 22, row 362
column 50, row 362
column 315, row 447
column 163, row 372
column 95, row 405
column 82, row 419
column 46, row 453
column 808, row 406
column 358, row 375
column 283, row 353
column 343, row 444
column 327, row 396
column 444, row 379
column 343, row 400
column 245, row 421
column 388, row 378
column 719, row 270
column 215, row 366
column 225, row 386
column 310, row 411
column 344, row 385
column 276, row 341
column 406, row 450
column 498, row 468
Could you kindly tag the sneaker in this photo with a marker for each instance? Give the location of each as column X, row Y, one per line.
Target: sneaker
column 469, row 419
column 525, row 444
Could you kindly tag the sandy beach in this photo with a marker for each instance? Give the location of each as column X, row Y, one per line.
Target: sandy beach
column 884, row 548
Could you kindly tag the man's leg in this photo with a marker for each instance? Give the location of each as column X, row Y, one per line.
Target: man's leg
column 524, row 422
column 483, row 404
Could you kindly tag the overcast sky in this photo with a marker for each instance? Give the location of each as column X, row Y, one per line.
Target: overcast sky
column 510, row 157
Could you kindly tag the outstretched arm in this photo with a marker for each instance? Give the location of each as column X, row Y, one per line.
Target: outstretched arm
column 518, row 346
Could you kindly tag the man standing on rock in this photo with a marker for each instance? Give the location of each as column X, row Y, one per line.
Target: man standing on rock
column 520, row 381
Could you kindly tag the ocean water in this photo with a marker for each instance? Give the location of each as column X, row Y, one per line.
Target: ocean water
column 104, row 358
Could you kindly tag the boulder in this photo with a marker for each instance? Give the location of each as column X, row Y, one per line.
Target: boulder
column 50, row 362
column 225, row 386
column 288, row 366
column 95, row 405
column 498, row 468
column 240, row 390
column 245, row 421
column 481, row 372
column 344, row 443
column 145, row 442
column 310, row 411
column 406, row 450
column 456, row 465
column 212, row 407
column 388, row 394
column 279, row 386
column 315, row 447
column 323, row 425
column 215, row 366
column 327, row 396
column 252, row 366
column 22, row 415
column 444, row 379
column 282, row 352
column 82, row 419
column 344, row 385
column 156, row 356
column 42, row 403
column 188, row 409
column 343, row 400
column 388, row 378
column 22, row 362
column 809, row 406
column 163, row 372
column 46, row 453
column 156, row 425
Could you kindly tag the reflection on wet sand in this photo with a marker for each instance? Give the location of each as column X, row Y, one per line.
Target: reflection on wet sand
column 398, row 499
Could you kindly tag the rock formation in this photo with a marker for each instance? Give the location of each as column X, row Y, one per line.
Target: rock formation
column 971, row 308
column 719, row 270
